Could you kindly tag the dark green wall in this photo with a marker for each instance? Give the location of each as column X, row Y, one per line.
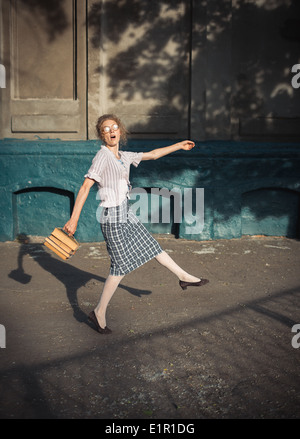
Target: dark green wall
column 249, row 188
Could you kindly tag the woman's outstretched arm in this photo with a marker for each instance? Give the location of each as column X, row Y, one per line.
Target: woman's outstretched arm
column 160, row 152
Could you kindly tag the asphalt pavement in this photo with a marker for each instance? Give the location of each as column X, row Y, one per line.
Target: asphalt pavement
column 227, row 350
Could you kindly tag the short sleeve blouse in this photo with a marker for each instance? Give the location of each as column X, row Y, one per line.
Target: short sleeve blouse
column 112, row 175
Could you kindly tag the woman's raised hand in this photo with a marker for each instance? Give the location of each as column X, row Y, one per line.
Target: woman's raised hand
column 187, row 145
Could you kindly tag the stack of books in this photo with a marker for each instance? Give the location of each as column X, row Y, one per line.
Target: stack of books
column 61, row 243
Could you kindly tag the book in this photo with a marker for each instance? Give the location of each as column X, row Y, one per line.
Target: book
column 67, row 254
column 54, row 250
column 61, row 243
column 65, row 238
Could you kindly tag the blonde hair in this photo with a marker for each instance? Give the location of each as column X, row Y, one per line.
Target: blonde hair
column 102, row 119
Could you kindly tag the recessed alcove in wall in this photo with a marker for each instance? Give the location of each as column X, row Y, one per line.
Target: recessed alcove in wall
column 272, row 212
column 155, row 208
column 37, row 210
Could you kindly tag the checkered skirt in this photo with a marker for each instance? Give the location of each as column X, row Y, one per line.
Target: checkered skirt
column 129, row 244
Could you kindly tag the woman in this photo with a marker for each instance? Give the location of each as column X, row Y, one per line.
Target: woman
column 129, row 244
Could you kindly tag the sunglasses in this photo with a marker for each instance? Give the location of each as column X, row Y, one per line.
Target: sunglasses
column 106, row 129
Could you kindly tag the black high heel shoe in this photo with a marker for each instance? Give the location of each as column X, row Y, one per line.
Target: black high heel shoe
column 201, row 282
column 92, row 317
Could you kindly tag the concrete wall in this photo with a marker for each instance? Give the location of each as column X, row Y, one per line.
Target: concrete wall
column 249, row 188
column 218, row 72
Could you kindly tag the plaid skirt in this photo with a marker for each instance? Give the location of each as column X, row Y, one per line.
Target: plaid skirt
column 128, row 242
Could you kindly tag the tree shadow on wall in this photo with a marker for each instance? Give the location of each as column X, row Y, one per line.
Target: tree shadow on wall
column 151, row 47
column 148, row 46
column 157, row 53
column 51, row 13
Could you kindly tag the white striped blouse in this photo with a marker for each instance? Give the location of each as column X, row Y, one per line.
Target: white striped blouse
column 112, row 175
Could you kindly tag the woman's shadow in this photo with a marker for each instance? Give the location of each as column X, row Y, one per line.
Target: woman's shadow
column 71, row 277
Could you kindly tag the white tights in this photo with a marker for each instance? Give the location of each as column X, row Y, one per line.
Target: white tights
column 112, row 282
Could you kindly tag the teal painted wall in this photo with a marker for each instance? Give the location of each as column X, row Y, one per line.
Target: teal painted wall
column 249, row 187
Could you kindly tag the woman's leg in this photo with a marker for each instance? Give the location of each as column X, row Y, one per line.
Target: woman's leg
column 110, row 286
column 164, row 259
